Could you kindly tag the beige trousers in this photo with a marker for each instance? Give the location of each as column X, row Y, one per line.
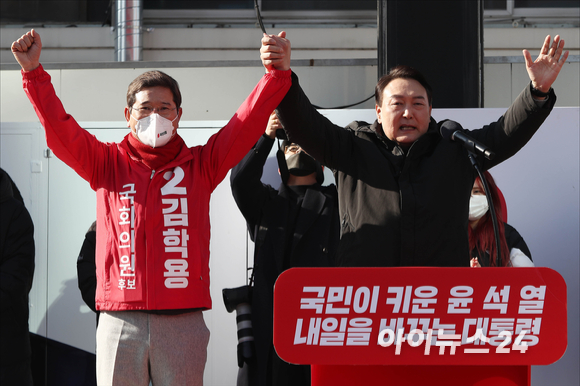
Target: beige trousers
column 134, row 348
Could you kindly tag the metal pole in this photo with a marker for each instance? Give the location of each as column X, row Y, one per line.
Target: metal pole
column 381, row 38
column 128, row 31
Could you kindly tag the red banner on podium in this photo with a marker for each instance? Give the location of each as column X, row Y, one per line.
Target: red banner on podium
column 427, row 316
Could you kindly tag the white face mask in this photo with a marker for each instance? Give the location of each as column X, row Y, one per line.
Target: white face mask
column 477, row 207
column 154, row 130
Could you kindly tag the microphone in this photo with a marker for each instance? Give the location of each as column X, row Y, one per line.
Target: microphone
column 452, row 130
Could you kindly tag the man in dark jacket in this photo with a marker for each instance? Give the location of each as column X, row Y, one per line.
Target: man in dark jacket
column 87, row 270
column 16, row 272
column 299, row 228
column 404, row 190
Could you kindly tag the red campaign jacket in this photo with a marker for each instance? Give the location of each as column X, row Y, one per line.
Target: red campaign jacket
column 154, row 230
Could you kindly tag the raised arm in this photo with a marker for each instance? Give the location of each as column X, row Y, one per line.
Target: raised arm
column 328, row 143
column 545, row 69
column 250, row 194
column 527, row 113
column 26, row 50
column 69, row 142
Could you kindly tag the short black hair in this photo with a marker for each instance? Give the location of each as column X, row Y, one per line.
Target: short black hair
column 153, row 79
column 402, row 72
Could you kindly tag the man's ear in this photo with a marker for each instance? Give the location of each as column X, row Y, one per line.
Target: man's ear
column 176, row 122
column 378, row 112
column 128, row 116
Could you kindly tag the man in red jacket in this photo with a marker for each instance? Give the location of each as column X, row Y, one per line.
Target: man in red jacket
column 153, row 228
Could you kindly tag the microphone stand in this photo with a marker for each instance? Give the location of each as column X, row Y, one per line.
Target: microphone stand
column 472, row 158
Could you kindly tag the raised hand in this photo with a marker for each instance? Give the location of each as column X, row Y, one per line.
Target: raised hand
column 275, row 52
column 545, row 69
column 273, row 125
column 27, row 49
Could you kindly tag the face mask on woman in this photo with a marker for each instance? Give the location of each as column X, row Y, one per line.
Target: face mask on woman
column 477, row 207
column 154, row 130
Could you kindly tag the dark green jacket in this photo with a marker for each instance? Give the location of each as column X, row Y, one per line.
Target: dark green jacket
column 397, row 208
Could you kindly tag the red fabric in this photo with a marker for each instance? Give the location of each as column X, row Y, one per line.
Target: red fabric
column 420, row 375
column 362, row 316
column 482, row 237
column 155, row 157
column 503, row 207
column 153, row 226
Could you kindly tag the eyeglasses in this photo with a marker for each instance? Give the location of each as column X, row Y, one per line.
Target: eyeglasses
column 292, row 149
column 145, row 111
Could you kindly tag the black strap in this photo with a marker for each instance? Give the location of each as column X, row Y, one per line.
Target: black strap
column 260, row 231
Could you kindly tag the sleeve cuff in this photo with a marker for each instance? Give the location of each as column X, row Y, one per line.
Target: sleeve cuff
column 265, row 136
column 32, row 74
column 540, row 102
column 280, row 74
column 264, row 143
column 534, row 93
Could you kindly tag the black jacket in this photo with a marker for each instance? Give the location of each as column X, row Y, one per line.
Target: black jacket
column 86, row 269
column 312, row 243
column 513, row 240
column 397, row 208
column 16, row 272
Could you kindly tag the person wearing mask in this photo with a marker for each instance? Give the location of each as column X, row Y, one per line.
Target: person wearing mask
column 153, row 229
column 16, row 274
column 482, row 244
column 403, row 189
column 295, row 225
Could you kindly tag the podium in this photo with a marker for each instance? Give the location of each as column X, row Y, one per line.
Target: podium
column 420, row 325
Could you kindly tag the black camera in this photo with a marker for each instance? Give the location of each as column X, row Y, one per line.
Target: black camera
column 281, row 134
column 239, row 299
